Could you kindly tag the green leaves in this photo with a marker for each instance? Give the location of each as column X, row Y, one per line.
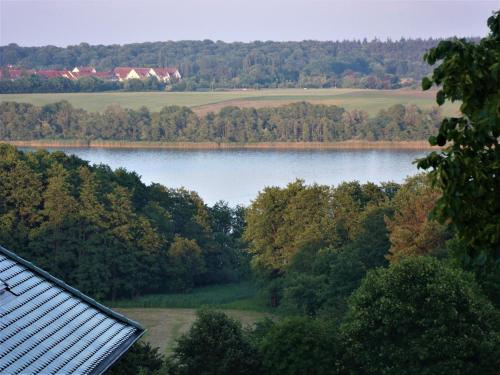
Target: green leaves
column 468, row 170
column 440, row 97
column 441, row 140
column 426, row 83
column 400, row 315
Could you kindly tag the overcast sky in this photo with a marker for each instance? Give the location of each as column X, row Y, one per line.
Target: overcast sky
column 66, row 22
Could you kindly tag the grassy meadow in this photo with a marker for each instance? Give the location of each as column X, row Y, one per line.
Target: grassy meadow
column 202, row 102
column 167, row 316
column 240, row 296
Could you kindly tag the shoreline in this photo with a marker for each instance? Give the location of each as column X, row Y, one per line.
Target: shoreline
column 341, row 145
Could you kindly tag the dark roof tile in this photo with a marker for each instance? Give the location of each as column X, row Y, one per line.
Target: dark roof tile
column 51, row 328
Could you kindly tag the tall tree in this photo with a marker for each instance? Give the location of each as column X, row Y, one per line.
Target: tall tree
column 468, row 169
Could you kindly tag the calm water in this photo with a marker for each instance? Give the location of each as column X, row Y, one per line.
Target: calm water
column 236, row 176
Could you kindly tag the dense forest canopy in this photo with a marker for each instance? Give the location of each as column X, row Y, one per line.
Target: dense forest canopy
column 208, row 64
column 108, row 234
column 299, row 122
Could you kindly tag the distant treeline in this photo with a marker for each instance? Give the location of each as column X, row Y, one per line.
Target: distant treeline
column 298, row 122
column 37, row 84
column 108, row 234
column 208, row 64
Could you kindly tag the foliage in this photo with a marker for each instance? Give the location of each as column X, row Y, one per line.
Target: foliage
column 468, row 170
column 108, row 234
column 186, row 263
column 299, row 122
column 207, row 64
column 140, row 359
column 400, row 315
column 411, row 232
column 282, row 221
column 322, row 288
column 215, row 344
column 313, row 244
column 299, row 346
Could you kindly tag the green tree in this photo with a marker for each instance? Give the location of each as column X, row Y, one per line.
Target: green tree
column 420, row 316
column 186, row 263
column 214, row 345
column 468, row 169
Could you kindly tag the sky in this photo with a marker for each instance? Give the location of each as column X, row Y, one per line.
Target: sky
column 70, row 22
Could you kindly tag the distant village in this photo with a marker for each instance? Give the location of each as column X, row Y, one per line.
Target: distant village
column 165, row 75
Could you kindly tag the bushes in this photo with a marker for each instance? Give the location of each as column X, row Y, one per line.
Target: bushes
column 140, row 359
column 297, row 346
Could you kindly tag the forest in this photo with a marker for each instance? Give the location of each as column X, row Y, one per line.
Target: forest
column 108, row 234
column 207, row 64
column 298, row 122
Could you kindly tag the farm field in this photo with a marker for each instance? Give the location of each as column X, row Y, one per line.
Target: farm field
column 202, row 102
column 164, row 326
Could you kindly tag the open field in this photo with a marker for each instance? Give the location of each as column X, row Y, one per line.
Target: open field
column 166, row 325
column 167, row 316
column 202, row 102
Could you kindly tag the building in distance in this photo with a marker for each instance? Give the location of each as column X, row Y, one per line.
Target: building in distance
column 165, row 75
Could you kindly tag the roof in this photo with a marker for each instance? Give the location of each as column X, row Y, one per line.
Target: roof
column 122, row 71
column 142, row 72
column 51, row 73
column 84, row 69
column 163, row 72
column 101, row 75
column 48, row 327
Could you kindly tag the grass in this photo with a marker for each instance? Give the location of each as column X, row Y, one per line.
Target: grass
column 164, row 325
column 168, row 316
column 240, row 296
column 369, row 100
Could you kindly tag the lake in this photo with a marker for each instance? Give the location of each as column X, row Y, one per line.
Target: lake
column 237, row 176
